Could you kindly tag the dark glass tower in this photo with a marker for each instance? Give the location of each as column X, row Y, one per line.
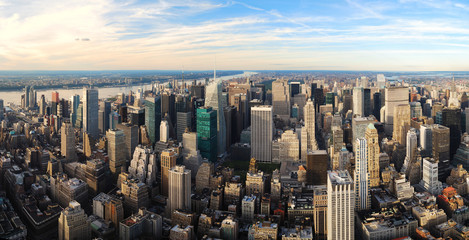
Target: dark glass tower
column 153, row 118
column 207, row 133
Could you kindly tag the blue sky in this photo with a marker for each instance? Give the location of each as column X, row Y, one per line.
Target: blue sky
column 246, row 35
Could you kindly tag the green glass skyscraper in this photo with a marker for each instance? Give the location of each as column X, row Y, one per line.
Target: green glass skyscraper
column 207, row 133
column 153, row 118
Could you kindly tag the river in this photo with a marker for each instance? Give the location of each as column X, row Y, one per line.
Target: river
column 14, row 97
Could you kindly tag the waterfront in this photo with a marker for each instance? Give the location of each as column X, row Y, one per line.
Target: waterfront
column 14, row 97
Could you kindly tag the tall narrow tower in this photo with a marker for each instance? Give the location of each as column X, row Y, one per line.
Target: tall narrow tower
column 179, row 188
column 363, row 199
column 261, row 133
column 214, row 99
column 90, row 112
column 310, row 125
column 67, row 147
column 371, row 137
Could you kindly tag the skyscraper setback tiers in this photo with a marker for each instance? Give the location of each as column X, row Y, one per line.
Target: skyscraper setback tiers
column 281, row 155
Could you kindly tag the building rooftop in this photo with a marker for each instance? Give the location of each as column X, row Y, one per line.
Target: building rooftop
column 339, row 177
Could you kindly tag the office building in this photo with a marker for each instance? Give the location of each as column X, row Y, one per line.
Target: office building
column 131, row 138
column 90, row 112
column 290, row 146
column 263, row 230
column 451, row 118
column 441, row 149
column 116, row 150
column 179, row 189
column 215, row 100
column 362, row 188
column 316, row 167
column 394, row 96
column 207, row 133
column 377, row 105
column 164, row 131
column 65, row 190
column 103, row 118
column 261, row 133
column 192, row 158
column 168, row 160
column 144, row 165
column 248, row 208
column 371, row 137
column 430, row 176
column 426, row 140
column 358, row 101
column 341, row 205
column 184, row 121
column 280, row 99
column 136, row 194
column 67, row 147
column 359, row 126
column 310, row 125
column 73, row 223
column 229, row 228
column 141, row 225
column 153, row 118
column 320, row 211
column 74, row 102
column 401, row 123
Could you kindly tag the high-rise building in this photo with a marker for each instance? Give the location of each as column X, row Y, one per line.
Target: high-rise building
column 116, row 150
column 214, row 99
column 401, row 123
column 380, row 81
column 168, row 107
column 341, row 205
column 310, row 125
column 320, row 211
column 67, row 147
column 74, row 102
column 281, row 99
column 290, row 146
column 415, row 110
column 316, row 166
column 359, row 126
column 144, row 165
column 136, row 193
column 377, row 105
column 153, row 118
column 179, row 188
column 164, row 131
column 43, row 106
column 131, row 138
column 367, row 102
column 441, row 149
column 184, row 121
column 103, row 118
column 229, row 228
column 141, row 225
column 430, row 176
column 207, row 133
column 358, row 101
column 73, row 223
column 248, row 208
column 371, row 137
column 362, row 188
column 426, row 140
column 65, row 190
column 451, row 118
column 168, row 160
column 261, row 133
column 108, row 208
column 394, row 96
column 90, row 112
column 192, row 158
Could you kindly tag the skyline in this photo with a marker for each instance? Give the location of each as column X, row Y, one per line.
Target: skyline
column 350, row 35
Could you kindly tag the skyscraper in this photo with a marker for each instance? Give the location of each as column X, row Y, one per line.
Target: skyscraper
column 153, row 118
column 179, row 188
column 131, row 137
column 401, row 124
column 358, row 103
column 104, row 111
column 1, row 109
column 214, row 99
column 371, row 137
column 207, row 133
column 74, row 102
column 183, row 122
column 341, row 204
column 164, row 131
column 229, row 228
column 73, row 223
column 380, row 81
column 261, row 133
column 310, row 125
column 362, row 187
column 281, row 99
column 394, row 96
column 116, row 150
column 90, row 112
column 67, row 147
column 451, row 118
column 168, row 161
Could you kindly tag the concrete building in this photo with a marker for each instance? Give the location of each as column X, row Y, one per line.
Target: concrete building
column 136, row 194
column 184, row 121
column 320, row 211
column 67, row 147
column 168, row 160
column 229, row 228
column 144, row 165
column 341, row 205
column 363, row 198
column 290, row 146
column 116, row 150
column 358, row 103
column 179, row 188
column 401, row 123
column 310, row 125
column 394, row 96
column 131, row 138
column 359, row 126
column 90, row 112
column 281, row 99
column 430, row 176
column 181, row 233
column 426, row 132
column 386, row 225
column 65, row 190
column 248, row 208
column 144, row 224
column 73, row 223
column 429, row 217
column 261, row 133
column 108, row 208
column 263, row 230
column 371, row 137
column 164, row 131
column 192, row 158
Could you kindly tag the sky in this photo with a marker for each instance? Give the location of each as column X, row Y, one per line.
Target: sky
column 387, row 35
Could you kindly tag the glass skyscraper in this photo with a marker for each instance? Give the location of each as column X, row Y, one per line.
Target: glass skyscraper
column 153, row 118
column 207, row 133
